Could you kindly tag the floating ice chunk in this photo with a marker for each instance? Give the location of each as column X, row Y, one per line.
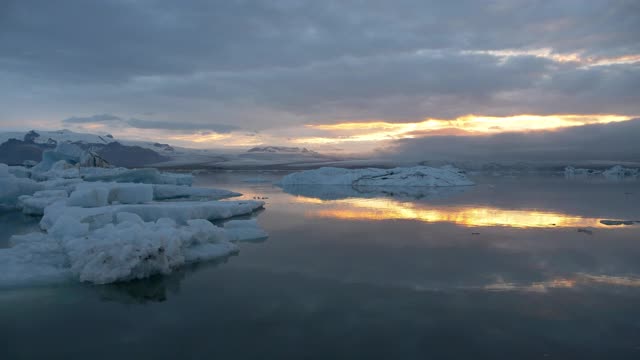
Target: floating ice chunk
column 180, row 212
column 4, row 170
column 616, row 172
column 146, row 176
column 61, row 184
column 411, row 176
column 128, row 217
column 126, row 249
column 133, row 250
column 89, row 197
column 244, row 230
column 620, row 172
column 59, row 170
column 570, row 171
column 36, row 203
column 19, row 171
column 51, row 157
column 35, row 259
column 12, row 187
column 123, row 193
column 66, row 226
column 165, row 192
column 71, row 151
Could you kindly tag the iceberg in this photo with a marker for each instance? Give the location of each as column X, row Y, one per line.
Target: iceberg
column 36, row 203
column 144, row 175
column 167, row 192
column 402, row 177
column 570, row 171
column 180, row 212
column 12, row 187
column 103, row 225
column 620, row 172
column 244, row 230
column 115, row 193
column 615, row 172
column 127, row 249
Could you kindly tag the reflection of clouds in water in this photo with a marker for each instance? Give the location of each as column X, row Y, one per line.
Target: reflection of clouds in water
column 337, row 192
column 466, row 215
column 575, row 281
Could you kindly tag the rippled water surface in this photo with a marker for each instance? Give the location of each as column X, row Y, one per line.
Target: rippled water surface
column 514, row 267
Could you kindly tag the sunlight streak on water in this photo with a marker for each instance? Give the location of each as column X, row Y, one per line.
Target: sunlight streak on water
column 471, row 216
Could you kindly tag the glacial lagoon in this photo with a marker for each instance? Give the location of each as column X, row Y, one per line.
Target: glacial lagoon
column 524, row 266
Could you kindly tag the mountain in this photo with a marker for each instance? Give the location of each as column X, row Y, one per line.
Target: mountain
column 129, row 156
column 18, row 147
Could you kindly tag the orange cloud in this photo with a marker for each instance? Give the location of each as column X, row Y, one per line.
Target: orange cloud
column 377, row 130
column 575, row 57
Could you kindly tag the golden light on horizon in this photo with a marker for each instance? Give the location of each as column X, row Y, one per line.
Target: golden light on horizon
column 377, row 130
column 390, row 209
column 579, row 58
column 199, row 138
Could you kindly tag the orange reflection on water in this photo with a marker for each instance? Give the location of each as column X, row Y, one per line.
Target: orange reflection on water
column 579, row 279
column 389, row 209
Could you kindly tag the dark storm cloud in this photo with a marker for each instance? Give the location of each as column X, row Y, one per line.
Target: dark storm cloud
column 266, row 62
column 91, row 119
column 614, row 142
column 181, row 126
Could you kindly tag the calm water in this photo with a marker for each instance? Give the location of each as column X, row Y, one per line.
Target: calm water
column 512, row 268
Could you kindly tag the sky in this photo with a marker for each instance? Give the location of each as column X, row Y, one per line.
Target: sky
column 334, row 75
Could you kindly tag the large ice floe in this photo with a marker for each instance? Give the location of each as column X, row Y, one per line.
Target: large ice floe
column 416, row 176
column 417, row 182
column 614, row 173
column 104, row 224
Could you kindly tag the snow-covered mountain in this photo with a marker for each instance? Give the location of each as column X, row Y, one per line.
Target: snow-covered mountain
column 17, row 147
column 54, row 137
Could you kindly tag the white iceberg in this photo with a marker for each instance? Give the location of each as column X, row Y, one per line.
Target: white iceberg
column 36, row 203
column 244, row 230
column 124, row 250
column 615, row 172
column 114, row 193
column 180, row 212
column 102, row 225
column 61, row 169
column 167, row 192
column 12, row 187
column 401, row 177
column 571, row 171
column 144, row 175
column 620, row 172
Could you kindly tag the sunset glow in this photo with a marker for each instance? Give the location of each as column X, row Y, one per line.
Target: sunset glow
column 574, row 57
column 471, row 124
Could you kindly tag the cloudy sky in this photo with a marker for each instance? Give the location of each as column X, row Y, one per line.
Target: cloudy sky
column 336, row 75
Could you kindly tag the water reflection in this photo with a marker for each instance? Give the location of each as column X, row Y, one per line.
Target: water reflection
column 154, row 289
column 577, row 280
column 337, row 192
column 466, row 215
